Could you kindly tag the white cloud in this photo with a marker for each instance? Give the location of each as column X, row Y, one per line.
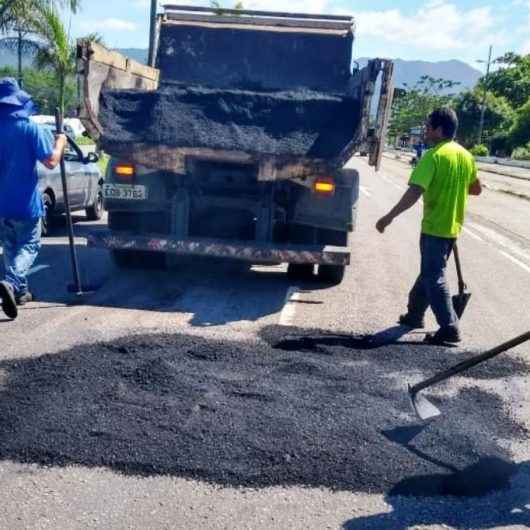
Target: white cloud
column 293, row 6
column 143, row 4
column 113, row 24
column 438, row 25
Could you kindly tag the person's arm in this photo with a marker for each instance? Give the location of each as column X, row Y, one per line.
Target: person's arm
column 53, row 161
column 475, row 188
column 409, row 199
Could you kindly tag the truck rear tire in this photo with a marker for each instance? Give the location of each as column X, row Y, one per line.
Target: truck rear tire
column 331, row 274
column 300, row 271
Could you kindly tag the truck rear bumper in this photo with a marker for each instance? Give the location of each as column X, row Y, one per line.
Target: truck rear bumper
column 244, row 251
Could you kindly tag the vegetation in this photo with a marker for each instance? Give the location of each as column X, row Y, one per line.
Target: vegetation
column 413, row 104
column 505, row 94
column 522, row 153
column 480, row 150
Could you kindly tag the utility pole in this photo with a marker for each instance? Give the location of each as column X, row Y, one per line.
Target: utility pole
column 152, row 33
column 483, row 105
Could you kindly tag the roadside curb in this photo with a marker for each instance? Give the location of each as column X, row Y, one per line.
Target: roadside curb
column 404, row 158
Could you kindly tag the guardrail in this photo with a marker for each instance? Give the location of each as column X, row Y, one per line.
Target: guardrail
column 503, row 161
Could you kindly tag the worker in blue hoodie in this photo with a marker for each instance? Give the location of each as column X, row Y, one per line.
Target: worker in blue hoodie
column 24, row 143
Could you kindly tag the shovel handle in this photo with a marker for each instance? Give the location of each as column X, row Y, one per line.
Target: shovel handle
column 461, row 283
column 58, row 121
column 469, row 363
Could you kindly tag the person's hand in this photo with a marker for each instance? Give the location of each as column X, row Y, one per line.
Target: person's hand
column 60, row 141
column 383, row 223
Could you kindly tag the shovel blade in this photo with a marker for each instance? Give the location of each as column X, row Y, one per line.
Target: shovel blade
column 460, row 302
column 423, row 408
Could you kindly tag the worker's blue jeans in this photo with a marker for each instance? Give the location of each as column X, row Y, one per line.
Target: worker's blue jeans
column 431, row 287
column 21, row 243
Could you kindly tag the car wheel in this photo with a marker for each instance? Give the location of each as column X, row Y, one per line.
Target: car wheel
column 95, row 212
column 47, row 218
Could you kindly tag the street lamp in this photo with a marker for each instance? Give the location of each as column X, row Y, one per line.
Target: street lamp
column 483, row 105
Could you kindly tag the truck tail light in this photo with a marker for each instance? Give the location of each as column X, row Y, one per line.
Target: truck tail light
column 124, row 171
column 324, row 186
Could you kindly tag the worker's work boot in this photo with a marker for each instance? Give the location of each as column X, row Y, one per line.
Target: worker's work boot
column 9, row 304
column 23, row 299
column 444, row 337
column 411, row 321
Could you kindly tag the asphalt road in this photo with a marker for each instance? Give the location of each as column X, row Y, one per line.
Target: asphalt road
column 232, row 304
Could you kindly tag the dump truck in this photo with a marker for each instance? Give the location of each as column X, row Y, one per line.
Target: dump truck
column 234, row 143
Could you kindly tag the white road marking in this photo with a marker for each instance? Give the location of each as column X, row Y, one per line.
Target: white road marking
column 38, row 268
column 472, row 234
column 365, row 191
column 499, row 241
column 392, row 183
column 289, row 308
column 515, row 260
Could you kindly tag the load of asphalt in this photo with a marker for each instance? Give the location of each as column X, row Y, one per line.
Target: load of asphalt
column 296, row 123
column 331, row 412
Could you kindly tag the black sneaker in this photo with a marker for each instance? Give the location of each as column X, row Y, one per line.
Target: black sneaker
column 411, row 321
column 444, row 337
column 23, row 299
column 9, row 304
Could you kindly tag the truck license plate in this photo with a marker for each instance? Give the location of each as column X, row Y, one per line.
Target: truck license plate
column 125, row 192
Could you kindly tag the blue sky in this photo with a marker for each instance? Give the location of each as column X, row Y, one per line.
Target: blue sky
column 431, row 30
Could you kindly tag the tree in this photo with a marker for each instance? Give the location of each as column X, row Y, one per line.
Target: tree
column 43, row 86
column 498, row 117
column 17, row 17
column 412, row 105
column 512, row 80
column 55, row 51
column 520, row 132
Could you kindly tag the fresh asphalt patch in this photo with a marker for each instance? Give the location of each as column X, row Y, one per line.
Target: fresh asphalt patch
column 257, row 414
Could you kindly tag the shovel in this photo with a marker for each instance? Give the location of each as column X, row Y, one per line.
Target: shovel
column 461, row 299
column 76, row 287
column 424, row 408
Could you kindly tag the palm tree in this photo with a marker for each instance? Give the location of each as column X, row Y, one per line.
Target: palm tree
column 18, row 16
column 55, row 50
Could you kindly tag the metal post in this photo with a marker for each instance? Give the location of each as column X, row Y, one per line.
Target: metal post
column 483, row 105
column 19, row 57
column 152, row 33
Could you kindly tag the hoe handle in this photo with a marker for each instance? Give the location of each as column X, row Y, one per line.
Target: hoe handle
column 469, row 363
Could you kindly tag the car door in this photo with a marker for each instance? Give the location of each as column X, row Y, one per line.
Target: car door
column 75, row 175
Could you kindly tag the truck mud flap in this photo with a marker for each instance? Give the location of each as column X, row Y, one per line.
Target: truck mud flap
column 243, row 251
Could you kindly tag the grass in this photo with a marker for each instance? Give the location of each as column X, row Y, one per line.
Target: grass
column 84, row 140
column 103, row 163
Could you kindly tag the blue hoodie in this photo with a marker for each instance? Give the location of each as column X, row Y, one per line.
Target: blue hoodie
column 22, row 144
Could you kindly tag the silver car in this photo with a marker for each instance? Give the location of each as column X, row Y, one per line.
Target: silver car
column 84, row 181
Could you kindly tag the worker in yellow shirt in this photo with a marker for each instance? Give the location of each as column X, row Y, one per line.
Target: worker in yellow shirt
column 444, row 176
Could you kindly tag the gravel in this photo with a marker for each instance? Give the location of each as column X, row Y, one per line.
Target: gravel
column 299, row 123
column 257, row 414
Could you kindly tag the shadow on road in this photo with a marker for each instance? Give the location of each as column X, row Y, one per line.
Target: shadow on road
column 415, row 501
column 213, row 292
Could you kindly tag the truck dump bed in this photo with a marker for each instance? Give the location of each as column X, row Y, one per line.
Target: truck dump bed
column 272, row 89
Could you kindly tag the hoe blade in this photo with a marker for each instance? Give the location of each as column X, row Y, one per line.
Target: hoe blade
column 424, row 409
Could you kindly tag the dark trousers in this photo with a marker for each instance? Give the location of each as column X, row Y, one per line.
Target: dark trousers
column 431, row 287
